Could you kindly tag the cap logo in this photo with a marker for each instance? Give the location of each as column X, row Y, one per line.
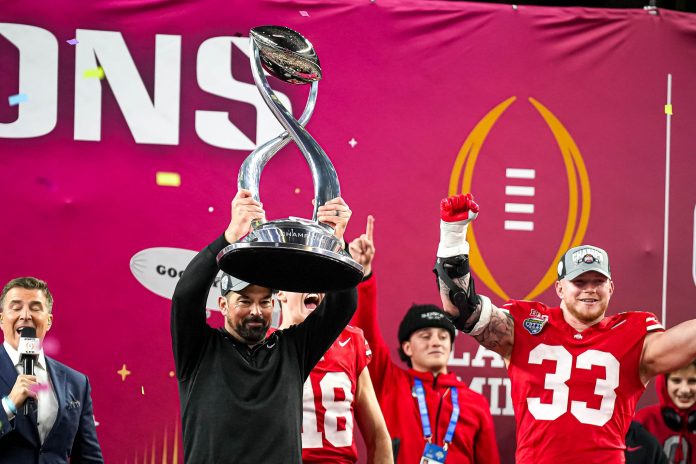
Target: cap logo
column 587, row 256
column 432, row 316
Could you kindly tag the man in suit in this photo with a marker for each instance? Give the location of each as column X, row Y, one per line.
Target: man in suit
column 59, row 425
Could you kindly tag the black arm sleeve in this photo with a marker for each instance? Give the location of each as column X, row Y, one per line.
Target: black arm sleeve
column 465, row 299
column 188, row 322
column 321, row 328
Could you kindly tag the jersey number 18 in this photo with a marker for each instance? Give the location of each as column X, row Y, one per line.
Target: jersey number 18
column 311, row 436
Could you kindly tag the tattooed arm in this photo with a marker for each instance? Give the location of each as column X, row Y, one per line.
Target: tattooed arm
column 471, row 313
column 491, row 326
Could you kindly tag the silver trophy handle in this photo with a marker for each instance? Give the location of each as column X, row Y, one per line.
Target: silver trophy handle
column 250, row 172
column 324, row 175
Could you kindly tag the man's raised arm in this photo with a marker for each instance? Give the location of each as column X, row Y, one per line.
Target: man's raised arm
column 669, row 350
column 473, row 314
column 188, row 320
column 321, row 328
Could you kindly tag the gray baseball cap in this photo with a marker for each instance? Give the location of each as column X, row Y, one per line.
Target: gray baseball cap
column 581, row 259
column 229, row 283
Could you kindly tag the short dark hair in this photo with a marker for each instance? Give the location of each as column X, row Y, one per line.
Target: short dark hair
column 29, row 283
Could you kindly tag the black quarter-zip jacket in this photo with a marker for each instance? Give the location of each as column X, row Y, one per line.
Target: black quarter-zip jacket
column 242, row 404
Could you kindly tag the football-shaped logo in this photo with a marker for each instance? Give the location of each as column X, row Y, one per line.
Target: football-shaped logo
column 159, row 269
column 534, row 190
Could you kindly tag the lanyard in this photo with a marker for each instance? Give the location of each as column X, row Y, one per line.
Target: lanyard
column 423, row 408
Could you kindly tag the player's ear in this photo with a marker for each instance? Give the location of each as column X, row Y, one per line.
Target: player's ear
column 406, row 348
column 281, row 296
column 559, row 289
column 223, row 304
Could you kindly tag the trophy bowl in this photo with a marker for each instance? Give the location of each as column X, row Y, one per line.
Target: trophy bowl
column 293, row 254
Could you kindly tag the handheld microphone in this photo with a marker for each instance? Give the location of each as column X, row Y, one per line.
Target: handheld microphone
column 29, row 347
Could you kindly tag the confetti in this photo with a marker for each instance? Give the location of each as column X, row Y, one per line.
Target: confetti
column 123, row 373
column 17, row 99
column 96, row 424
column 297, row 190
column 142, row 390
column 39, row 387
column 171, row 374
column 168, row 179
column 303, row 13
column 668, row 109
column 210, row 209
column 96, row 72
column 73, row 41
column 352, row 142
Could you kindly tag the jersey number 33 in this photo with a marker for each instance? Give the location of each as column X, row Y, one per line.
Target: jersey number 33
column 556, row 382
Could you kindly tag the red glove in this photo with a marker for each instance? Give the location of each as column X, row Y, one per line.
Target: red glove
column 457, row 208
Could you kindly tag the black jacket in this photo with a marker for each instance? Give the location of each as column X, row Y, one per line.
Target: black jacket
column 239, row 404
column 642, row 447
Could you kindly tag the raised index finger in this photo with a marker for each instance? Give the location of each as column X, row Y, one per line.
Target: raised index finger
column 370, row 227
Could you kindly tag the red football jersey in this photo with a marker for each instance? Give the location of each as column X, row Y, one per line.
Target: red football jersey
column 574, row 393
column 327, row 418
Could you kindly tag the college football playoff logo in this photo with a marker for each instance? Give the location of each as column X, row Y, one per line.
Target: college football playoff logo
column 578, row 207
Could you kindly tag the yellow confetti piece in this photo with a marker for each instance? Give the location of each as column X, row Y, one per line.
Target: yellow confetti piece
column 168, row 179
column 142, row 390
column 668, row 109
column 96, row 72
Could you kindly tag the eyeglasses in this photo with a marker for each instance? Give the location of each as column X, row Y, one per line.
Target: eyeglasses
column 246, row 304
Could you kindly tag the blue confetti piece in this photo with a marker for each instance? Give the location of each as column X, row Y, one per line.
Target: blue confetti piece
column 17, row 99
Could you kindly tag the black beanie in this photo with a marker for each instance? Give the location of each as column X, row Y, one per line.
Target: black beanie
column 422, row 316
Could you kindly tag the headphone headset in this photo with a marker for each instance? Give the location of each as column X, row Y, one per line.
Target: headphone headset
column 675, row 421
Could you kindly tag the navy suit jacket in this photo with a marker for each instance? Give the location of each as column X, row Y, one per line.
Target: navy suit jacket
column 73, row 437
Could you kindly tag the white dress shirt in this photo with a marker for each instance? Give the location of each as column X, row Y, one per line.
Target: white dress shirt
column 47, row 402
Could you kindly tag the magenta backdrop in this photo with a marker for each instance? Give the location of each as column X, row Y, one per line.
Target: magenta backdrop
column 408, row 81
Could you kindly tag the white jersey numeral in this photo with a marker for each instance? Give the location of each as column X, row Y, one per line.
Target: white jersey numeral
column 556, row 382
column 334, row 409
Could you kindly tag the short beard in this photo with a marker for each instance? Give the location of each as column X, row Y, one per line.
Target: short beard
column 249, row 335
column 589, row 319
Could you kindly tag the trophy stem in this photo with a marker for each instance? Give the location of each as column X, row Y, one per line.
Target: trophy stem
column 293, row 254
column 250, row 172
column 324, row 175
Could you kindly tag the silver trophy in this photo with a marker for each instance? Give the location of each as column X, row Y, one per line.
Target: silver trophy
column 293, row 254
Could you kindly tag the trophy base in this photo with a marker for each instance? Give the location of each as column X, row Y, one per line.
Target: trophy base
column 292, row 255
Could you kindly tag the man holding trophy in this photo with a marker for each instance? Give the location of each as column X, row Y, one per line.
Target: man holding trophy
column 240, row 391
